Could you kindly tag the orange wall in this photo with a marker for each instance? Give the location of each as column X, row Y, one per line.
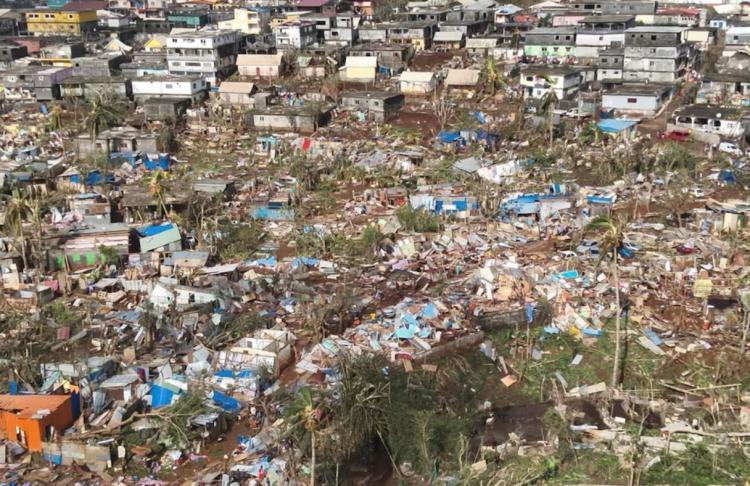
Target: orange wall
column 60, row 419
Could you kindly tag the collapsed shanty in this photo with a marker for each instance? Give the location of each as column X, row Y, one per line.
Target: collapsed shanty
column 366, row 243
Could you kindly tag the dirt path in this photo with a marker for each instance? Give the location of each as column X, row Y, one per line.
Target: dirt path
column 659, row 122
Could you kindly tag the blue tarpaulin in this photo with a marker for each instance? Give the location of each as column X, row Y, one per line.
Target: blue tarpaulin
column 160, row 396
column 449, row 137
column 272, row 214
column 727, row 177
column 226, row 402
column 615, row 125
column 155, row 229
column 600, row 199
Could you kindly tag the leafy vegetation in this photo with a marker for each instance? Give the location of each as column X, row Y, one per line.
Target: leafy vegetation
column 417, row 220
column 240, row 241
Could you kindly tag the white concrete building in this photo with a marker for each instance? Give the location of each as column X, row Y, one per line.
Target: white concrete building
column 210, row 54
column 637, row 99
column 193, row 87
column 537, row 81
column 295, row 35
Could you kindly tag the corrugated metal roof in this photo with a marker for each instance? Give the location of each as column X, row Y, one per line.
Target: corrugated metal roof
column 448, row 36
column 417, row 76
column 361, row 61
column 481, row 43
column 462, row 77
column 259, row 59
column 236, row 87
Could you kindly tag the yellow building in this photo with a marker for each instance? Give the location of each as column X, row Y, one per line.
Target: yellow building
column 60, row 21
column 247, row 21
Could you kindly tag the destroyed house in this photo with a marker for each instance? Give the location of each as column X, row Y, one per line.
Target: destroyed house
column 11, row 52
column 30, row 420
column 268, row 349
column 92, row 370
column 274, row 209
column 725, row 88
column 94, row 208
column 118, row 139
column 79, row 248
column 138, row 201
column 378, row 106
column 163, row 237
column 166, row 108
column 390, row 56
column 189, row 296
column 215, row 186
column 91, row 86
column 304, row 119
column 121, row 388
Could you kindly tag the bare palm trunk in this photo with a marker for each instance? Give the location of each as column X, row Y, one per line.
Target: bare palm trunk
column 744, row 333
column 616, row 277
column 312, row 459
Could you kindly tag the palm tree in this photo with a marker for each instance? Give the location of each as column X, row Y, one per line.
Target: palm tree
column 103, row 111
column 157, row 187
column 611, row 242
column 17, row 211
column 549, row 104
column 363, row 408
column 303, row 414
column 491, row 78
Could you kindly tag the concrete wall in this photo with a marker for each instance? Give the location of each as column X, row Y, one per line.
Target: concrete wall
column 642, row 104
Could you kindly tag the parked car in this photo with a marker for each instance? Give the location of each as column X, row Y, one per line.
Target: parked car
column 730, row 148
column 574, row 113
column 674, row 136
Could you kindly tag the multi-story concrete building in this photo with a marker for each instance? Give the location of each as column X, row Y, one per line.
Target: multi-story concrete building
column 556, row 42
column 537, row 81
column 295, row 34
column 736, row 38
column 609, row 64
column 636, row 8
column 656, row 54
column 418, row 34
column 601, row 31
column 68, row 20
column 211, row 54
column 252, row 21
